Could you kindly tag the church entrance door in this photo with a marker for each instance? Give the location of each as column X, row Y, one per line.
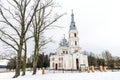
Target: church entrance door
column 56, row 66
column 77, row 64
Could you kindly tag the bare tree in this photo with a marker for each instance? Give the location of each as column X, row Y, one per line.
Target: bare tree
column 8, row 55
column 20, row 15
column 118, row 62
column 108, row 58
column 41, row 22
column 11, row 64
column 92, row 59
column 24, row 59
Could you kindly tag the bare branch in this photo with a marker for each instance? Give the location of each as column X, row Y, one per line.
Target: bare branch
column 10, row 37
column 8, row 56
column 49, row 12
column 11, row 4
column 8, row 44
column 18, row 5
column 28, row 2
column 43, row 43
column 29, row 22
column 8, row 23
column 28, row 38
column 11, row 14
column 48, row 25
column 47, row 4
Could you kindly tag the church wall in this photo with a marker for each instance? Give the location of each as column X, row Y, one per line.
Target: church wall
column 82, row 59
column 63, row 50
column 56, row 62
column 75, row 56
column 67, row 62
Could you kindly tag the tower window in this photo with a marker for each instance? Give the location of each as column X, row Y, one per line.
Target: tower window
column 59, row 59
column 59, row 64
column 75, row 42
column 53, row 59
column 66, row 52
column 76, row 51
column 74, row 34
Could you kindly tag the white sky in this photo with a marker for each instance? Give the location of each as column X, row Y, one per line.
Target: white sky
column 98, row 23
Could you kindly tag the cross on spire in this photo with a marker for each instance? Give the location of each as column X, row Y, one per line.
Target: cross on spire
column 72, row 16
column 72, row 11
column 64, row 36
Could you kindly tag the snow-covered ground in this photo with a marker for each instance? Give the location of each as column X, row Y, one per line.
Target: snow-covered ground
column 3, row 62
column 63, row 76
column 3, row 69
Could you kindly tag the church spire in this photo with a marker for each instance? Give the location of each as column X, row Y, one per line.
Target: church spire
column 72, row 25
column 72, row 17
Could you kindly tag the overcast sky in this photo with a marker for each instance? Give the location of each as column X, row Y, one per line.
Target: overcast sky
column 98, row 23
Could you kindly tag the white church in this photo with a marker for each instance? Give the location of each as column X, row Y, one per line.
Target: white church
column 69, row 56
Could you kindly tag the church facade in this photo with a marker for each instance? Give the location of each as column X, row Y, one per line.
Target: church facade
column 69, row 55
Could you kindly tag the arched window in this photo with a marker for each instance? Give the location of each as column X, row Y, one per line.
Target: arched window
column 74, row 34
column 75, row 42
column 59, row 59
column 62, row 58
column 53, row 59
column 53, row 65
column 66, row 52
column 59, row 64
column 76, row 51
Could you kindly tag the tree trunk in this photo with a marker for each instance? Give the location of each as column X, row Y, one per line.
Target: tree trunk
column 34, row 67
column 24, row 60
column 24, row 67
column 18, row 60
column 35, row 59
column 18, row 65
column 35, row 63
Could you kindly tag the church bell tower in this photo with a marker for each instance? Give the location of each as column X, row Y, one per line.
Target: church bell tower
column 73, row 36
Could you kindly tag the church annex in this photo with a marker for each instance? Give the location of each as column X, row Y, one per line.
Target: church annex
column 69, row 55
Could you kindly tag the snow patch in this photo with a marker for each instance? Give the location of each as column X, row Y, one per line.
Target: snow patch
column 63, row 76
column 4, row 62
